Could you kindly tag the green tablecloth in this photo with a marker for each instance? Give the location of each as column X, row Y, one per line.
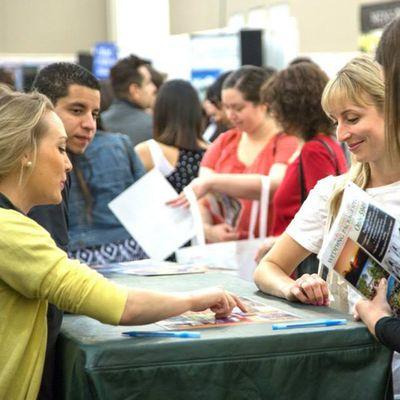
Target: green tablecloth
column 248, row 361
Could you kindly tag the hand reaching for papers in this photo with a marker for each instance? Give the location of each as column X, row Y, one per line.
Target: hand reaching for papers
column 310, row 289
column 199, row 186
column 147, row 306
column 217, row 300
column 371, row 311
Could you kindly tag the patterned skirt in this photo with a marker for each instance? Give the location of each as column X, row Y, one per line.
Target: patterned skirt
column 126, row 250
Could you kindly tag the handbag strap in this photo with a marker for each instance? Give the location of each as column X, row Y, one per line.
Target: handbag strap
column 263, row 204
column 303, row 191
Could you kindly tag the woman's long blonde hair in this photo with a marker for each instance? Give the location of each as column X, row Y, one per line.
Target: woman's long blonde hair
column 359, row 82
column 21, row 127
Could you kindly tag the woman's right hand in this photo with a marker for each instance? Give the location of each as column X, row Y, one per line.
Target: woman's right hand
column 200, row 187
column 309, row 289
column 217, row 300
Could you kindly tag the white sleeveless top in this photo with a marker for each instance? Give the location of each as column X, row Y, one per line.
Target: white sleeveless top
column 159, row 160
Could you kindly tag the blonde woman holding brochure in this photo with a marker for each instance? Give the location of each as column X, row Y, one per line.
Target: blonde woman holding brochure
column 34, row 271
column 353, row 99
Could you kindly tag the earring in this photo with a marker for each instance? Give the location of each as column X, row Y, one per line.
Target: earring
column 29, row 164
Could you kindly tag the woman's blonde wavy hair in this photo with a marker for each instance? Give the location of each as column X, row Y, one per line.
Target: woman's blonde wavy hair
column 21, row 128
column 359, row 82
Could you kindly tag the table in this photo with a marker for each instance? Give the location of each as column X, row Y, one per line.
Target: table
column 249, row 361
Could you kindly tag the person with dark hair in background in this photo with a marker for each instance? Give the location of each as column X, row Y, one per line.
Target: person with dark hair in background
column 75, row 94
column 256, row 145
column 299, row 60
column 107, row 95
column 158, row 78
column 134, row 93
column 177, row 146
column 214, row 109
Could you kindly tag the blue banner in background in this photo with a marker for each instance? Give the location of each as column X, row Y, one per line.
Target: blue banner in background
column 104, row 57
column 202, row 78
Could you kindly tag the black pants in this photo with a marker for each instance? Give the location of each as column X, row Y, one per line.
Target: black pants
column 47, row 387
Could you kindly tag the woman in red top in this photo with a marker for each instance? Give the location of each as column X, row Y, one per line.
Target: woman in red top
column 252, row 146
column 294, row 98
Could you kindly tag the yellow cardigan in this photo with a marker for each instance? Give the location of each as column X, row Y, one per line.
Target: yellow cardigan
column 33, row 272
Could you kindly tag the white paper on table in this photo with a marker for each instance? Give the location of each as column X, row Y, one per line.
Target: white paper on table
column 158, row 228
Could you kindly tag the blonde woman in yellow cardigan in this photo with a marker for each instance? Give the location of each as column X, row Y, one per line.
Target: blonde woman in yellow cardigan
column 34, row 271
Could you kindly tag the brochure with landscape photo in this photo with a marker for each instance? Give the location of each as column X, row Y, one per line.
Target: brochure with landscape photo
column 257, row 312
column 363, row 246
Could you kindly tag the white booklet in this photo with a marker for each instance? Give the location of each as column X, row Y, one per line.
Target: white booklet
column 158, row 228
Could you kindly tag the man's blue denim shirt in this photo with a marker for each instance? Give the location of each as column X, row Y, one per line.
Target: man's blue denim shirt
column 108, row 167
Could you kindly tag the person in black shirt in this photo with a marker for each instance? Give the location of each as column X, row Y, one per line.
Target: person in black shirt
column 75, row 94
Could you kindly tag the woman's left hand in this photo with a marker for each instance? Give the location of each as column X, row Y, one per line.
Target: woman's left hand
column 309, row 289
column 371, row 311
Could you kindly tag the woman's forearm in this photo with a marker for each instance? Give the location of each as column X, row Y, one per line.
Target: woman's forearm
column 271, row 279
column 246, row 186
column 272, row 275
column 144, row 307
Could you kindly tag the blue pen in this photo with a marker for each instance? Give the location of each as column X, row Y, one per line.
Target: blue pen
column 310, row 324
column 180, row 334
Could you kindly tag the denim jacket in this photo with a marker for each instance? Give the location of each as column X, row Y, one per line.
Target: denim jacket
column 108, row 167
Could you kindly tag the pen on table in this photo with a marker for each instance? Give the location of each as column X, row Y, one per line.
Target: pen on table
column 310, row 324
column 180, row 334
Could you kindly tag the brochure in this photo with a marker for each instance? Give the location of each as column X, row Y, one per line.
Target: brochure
column 150, row 267
column 257, row 312
column 363, row 246
column 225, row 208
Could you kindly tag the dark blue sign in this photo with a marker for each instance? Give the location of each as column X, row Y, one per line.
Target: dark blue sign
column 104, row 57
